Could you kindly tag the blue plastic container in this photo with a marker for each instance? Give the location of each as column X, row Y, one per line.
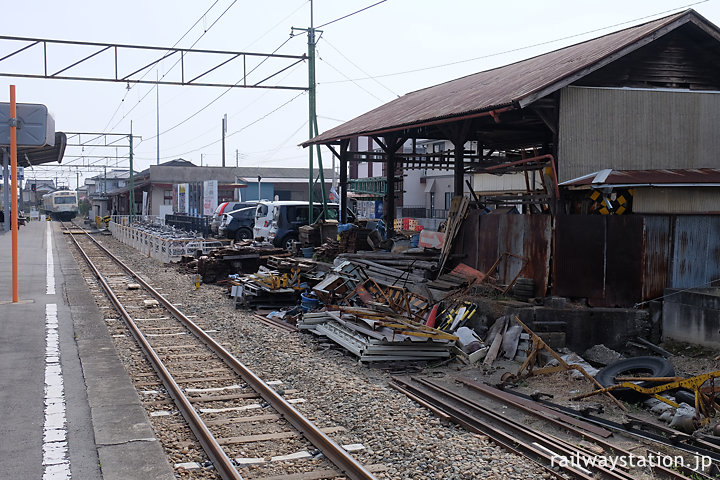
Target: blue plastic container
column 309, row 302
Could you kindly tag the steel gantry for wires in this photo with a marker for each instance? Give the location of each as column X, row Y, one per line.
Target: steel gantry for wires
column 121, row 55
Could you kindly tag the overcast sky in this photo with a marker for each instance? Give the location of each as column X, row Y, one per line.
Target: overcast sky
column 365, row 60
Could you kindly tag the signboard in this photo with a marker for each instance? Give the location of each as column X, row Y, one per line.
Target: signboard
column 145, row 204
column 36, row 127
column 20, row 174
column 210, row 196
column 182, row 196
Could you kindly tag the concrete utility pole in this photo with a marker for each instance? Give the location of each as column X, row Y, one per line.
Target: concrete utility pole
column 237, row 158
column 157, row 109
column 131, row 196
column 224, row 130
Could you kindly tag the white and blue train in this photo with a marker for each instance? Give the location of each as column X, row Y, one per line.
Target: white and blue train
column 61, row 205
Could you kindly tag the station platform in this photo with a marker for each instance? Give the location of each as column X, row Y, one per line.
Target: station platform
column 68, row 408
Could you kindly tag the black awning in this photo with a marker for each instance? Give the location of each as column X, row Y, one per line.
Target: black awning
column 29, row 156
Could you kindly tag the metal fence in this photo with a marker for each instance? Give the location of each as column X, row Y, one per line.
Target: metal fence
column 189, row 223
column 422, row 212
column 158, row 244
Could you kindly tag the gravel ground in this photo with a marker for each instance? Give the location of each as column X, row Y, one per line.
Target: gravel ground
column 395, row 431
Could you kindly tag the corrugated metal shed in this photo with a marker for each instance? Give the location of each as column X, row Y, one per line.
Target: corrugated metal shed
column 683, row 201
column 637, row 129
column 484, row 238
column 662, row 177
column 623, row 260
column 517, row 84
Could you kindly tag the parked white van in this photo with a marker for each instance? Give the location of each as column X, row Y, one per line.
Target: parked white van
column 279, row 222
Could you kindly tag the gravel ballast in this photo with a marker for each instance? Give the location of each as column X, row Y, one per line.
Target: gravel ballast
column 397, row 433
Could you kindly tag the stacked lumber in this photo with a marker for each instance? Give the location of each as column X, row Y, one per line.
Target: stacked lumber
column 354, row 239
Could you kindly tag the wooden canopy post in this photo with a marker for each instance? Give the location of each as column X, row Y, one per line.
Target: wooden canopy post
column 344, row 145
column 458, row 136
column 390, row 146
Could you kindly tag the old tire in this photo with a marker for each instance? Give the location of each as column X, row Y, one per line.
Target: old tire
column 644, row 366
column 243, row 234
column 684, row 396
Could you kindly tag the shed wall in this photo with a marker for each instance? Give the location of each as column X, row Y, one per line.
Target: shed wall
column 484, row 238
column 679, row 200
column 631, row 129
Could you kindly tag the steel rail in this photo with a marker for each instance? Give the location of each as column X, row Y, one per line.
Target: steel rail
column 541, row 438
column 504, row 439
column 331, row 450
column 546, row 443
column 213, row 449
column 682, row 445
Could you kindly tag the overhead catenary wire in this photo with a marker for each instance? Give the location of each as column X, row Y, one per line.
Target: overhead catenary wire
column 174, row 45
column 248, row 105
column 205, row 31
column 218, row 97
column 240, row 129
column 351, row 14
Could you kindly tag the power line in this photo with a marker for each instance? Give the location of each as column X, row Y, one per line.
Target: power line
column 356, row 66
column 515, row 49
column 276, row 25
column 174, row 45
column 351, row 80
column 218, row 97
column 351, row 14
column 176, row 63
column 236, row 131
column 213, row 128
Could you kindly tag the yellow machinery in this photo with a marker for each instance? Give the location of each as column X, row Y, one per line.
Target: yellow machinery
column 705, row 397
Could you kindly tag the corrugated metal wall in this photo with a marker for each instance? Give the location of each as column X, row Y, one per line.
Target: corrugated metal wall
column 610, row 260
column 622, row 260
column 696, row 251
column 485, row 237
column 676, row 200
column 636, row 130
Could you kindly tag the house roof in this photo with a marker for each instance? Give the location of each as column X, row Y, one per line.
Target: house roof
column 113, row 174
column 511, row 86
column 647, row 178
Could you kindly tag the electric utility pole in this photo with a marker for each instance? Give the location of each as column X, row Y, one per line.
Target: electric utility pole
column 224, row 130
column 312, row 123
column 131, row 196
column 157, row 109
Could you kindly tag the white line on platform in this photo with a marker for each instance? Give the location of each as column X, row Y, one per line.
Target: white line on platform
column 50, row 262
column 55, row 448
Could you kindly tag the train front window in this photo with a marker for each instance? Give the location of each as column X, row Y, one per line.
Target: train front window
column 64, row 200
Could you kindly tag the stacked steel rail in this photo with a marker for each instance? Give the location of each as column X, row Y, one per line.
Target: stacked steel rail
column 333, row 452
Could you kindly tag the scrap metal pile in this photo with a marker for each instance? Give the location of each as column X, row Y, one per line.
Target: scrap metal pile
column 374, row 321
column 246, row 257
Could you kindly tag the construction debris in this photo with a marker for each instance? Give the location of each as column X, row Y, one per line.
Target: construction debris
column 244, row 257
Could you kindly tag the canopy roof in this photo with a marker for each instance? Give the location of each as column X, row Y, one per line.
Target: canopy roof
column 509, row 87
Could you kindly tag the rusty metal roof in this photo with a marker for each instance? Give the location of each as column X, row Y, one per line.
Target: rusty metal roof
column 514, row 85
column 665, row 177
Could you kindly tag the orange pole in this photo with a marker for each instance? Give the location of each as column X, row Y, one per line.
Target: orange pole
column 13, row 189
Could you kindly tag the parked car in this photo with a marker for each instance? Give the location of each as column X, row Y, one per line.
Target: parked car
column 279, row 222
column 238, row 224
column 226, row 207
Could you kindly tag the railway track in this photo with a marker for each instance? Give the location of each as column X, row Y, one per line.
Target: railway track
column 577, row 454
column 243, row 423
